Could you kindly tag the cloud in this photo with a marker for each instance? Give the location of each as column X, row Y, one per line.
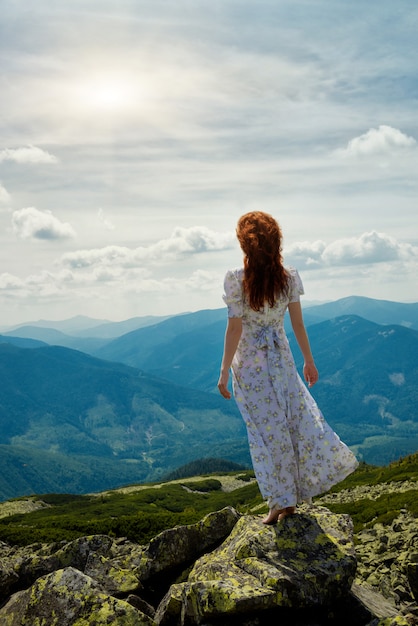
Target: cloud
column 368, row 248
column 183, row 242
column 4, row 195
column 104, row 220
column 40, row 285
column 10, row 282
column 182, row 122
column 30, row 223
column 28, row 154
column 96, row 283
column 383, row 140
column 203, row 280
column 305, row 253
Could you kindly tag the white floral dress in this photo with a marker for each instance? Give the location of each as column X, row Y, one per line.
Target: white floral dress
column 295, row 453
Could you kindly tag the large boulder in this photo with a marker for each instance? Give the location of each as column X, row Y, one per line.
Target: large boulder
column 119, row 567
column 95, row 555
column 226, row 570
column 380, row 609
column 68, row 597
column 181, row 545
column 307, row 560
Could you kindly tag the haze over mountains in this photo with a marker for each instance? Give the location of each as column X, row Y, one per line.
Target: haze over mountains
column 111, row 410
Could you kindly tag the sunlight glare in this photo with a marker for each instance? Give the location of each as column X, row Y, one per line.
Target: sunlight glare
column 108, row 94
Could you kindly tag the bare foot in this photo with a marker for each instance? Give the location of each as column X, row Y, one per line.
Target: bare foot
column 272, row 517
column 290, row 510
column 276, row 515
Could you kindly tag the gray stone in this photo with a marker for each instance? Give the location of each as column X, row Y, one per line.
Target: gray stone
column 235, row 571
column 183, row 544
column 307, row 560
column 68, row 597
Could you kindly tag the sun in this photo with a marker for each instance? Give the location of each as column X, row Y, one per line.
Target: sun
column 111, row 95
column 107, row 93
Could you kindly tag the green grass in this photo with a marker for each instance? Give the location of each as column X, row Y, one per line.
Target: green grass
column 402, row 469
column 140, row 515
column 366, row 513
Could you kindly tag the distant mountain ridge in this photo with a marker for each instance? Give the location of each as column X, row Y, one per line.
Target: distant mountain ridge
column 379, row 311
column 81, row 327
column 140, row 348
column 88, row 340
column 147, row 401
column 67, row 403
column 54, row 337
column 22, row 342
column 72, row 325
column 110, row 330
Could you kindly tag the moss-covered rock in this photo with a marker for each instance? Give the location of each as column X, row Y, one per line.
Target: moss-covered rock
column 306, row 560
column 388, row 557
column 113, row 578
column 31, row 562
column 390, row 621
column 181, row 545
column 373, row 602
column 69, row 598
column 8, row 579
column 226, row 570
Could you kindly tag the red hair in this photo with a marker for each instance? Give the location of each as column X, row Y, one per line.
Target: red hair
column 260, row 239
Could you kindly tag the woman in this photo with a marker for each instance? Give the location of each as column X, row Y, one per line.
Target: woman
column 295, row 453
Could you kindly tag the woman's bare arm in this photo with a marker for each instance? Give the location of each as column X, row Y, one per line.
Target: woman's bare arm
column 232, row 337
column 296, row 317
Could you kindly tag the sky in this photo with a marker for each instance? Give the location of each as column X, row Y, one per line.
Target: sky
column 133, row 135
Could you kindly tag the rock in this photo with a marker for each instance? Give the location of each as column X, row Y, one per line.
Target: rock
column 116, row 565
column 226, row 570
column 8, row 580
column 67, row 597
column 114, row 579
column 371, row 492
column 375, row 603
column 181, row 545
column 412, row 572
column 92, row 555
column 390, row 621
column 307, row 560
column 386, row 557
column 140, row 604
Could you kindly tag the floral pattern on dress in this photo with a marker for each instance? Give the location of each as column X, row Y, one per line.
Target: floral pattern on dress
column 295, row 453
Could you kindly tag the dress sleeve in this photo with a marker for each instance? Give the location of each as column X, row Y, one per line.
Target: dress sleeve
column 233, row 294
column 295, row 285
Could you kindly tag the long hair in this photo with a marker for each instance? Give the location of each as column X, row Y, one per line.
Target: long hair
column 260, row 239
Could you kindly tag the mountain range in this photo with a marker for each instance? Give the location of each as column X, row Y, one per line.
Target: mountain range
column 69, row 404
column 73, row 332
column 141, row 404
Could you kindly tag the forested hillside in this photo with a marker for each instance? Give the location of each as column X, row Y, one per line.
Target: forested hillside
column 75, row 423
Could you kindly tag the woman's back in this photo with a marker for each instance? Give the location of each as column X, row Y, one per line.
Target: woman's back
column 238, row 305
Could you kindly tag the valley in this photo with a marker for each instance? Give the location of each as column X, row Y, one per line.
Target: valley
column 145, row 402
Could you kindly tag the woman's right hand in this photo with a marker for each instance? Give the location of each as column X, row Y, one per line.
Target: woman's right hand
column 223, row 385
column 310, row 373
